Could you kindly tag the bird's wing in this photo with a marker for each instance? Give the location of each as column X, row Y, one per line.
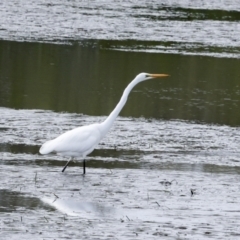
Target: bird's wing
column 79, row 140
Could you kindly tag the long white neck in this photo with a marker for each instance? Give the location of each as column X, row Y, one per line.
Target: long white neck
column 106, row 125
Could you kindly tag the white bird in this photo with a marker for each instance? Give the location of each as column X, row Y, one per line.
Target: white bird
column 81, row 141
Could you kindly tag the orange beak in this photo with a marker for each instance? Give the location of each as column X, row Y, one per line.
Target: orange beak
column 158, row 75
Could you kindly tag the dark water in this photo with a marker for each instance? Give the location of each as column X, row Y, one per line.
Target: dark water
column 90, row 80
column 170, row 166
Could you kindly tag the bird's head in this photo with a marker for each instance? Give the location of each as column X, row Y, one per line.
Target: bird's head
column 146, row 76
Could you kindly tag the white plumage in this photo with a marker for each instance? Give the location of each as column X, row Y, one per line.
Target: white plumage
column 77, row 142
column 81, row 141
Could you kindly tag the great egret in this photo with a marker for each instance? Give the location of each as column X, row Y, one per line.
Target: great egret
column 81, row 141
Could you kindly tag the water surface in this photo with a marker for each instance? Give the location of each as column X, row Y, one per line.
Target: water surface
column 90, row 80
column 146, row 179
column 167, row 26
column 169, row 168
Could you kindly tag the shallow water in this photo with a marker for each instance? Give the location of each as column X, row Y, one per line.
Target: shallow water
column 169, row 168
column 168, row 26
column 146, row 179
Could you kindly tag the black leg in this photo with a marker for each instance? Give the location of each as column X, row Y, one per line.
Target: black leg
column 66, row 165
column 84, row 166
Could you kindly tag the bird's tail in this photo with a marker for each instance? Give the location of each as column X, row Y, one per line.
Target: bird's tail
column 47, row 147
